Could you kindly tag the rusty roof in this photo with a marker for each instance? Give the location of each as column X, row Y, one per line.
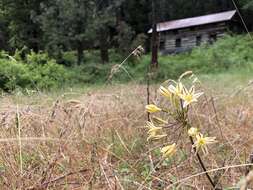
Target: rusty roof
column 195, row 21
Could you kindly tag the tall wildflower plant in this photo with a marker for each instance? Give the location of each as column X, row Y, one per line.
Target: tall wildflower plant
column 180, row 98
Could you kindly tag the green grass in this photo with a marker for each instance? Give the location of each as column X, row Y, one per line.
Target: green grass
column 232, row 54
column 218, row 83
column 227, row 79
column 105, row 110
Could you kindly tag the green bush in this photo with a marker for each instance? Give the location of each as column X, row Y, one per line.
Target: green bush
column 230, row 52
column 13, row 75
column 37, row 71
column 50, row 75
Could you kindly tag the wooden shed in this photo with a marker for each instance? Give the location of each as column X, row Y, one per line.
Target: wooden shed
column 184, row 34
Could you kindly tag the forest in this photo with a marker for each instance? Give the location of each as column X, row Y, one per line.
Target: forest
column 82, row 41
column 89, row 101
column 57, row 26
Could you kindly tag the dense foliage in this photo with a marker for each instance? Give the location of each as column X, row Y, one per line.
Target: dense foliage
column 228, row 54
column 57, row 26
column 39, row 71
column 50, row 44
column 36, row 71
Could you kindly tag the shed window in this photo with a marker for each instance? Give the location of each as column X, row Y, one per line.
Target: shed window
column 198, row 40
column 162, row 45
column 212, row 38
column 175, row 32
column 192, row 28
column 178, row 42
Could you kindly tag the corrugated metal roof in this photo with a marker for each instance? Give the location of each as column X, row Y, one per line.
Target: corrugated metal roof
column 195, row 21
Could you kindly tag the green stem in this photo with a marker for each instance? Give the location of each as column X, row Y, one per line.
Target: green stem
column 188, row 126
column 203, row 166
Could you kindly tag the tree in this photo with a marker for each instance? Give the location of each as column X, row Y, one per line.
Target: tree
column 124, row 37
column 104, row 20
column 154, row 60
column 22, row 29
column 4, row 34
column 66, row 25
column 245, row 7
column 61, row 25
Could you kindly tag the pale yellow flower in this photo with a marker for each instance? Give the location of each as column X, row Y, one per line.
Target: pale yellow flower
column 154, row 132
column 185, row 74
column 165, row 92
column 202, row 142
column 151, row 108
column 159, row 121
column 189, row 96
column 176, row 90
column 156, row 137
column 192, row 132
column 169, row 150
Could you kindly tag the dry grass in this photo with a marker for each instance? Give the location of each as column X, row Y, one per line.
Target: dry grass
column 96, row 140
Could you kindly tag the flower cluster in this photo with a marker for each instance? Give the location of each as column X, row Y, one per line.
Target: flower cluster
column 180, row 98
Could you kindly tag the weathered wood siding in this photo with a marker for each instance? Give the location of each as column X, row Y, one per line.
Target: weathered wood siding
column 188, row 37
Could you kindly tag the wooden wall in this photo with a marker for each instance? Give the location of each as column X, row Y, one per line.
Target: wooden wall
column 188, row 37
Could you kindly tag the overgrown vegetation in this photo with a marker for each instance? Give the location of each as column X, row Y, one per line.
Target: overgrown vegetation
column 96, row 140
column 62, row 129
column 57, row 26
column 227, row 54
column 35, row 71
column 39, row 71
column 232, row 52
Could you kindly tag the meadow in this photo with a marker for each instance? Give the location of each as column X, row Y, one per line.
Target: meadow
column 65, row 128
column 94, row 138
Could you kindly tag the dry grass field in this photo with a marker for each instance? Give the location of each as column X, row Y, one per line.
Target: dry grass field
column 96, row 139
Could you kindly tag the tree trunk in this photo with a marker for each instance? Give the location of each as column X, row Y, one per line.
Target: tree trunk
column 154, row 41
column 79, row 53
column 35, row 40
column 104, row 55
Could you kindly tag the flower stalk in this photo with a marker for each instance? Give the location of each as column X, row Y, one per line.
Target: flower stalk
column 188, row 127
column 203, row 165
column 180, row 100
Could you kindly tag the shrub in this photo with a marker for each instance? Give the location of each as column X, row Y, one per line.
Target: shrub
column 231, row 52
column 50, row 75
column 37, row 71
column 13, row 74
column 228, row 53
